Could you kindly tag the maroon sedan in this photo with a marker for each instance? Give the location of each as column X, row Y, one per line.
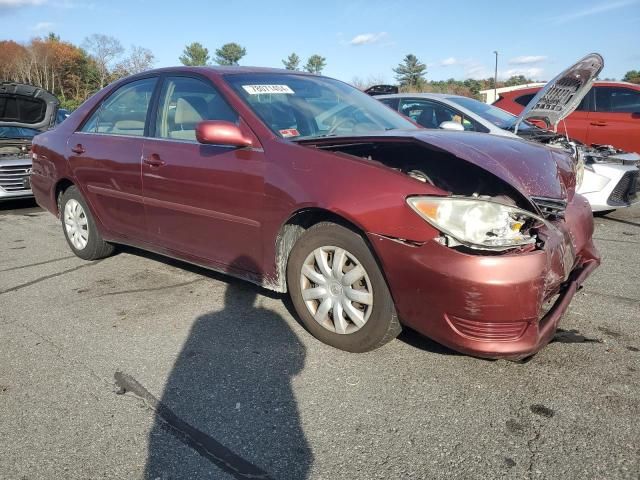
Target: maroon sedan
column 303, row 184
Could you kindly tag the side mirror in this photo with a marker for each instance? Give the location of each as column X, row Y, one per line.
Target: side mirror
column 451, row 126
column 218, row 132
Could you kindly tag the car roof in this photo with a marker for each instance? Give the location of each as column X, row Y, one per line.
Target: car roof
column 434, row 96
column 222, row 70
column 597, row 83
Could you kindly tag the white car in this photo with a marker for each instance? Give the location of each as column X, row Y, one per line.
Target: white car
column 611, row 177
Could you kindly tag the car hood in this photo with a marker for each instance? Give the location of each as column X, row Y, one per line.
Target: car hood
column 562, row 95
column 27, row 106
column 532, row 169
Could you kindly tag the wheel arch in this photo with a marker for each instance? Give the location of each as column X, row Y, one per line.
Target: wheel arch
column 298, row 223
column 60, row 187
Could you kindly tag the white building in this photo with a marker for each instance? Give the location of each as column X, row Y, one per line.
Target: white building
column 488, row 96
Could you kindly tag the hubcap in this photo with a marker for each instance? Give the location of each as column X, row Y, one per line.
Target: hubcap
column 76, row 225
column 336, row 289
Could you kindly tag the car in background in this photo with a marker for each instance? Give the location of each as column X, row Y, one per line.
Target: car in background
column 609, row 114
column 381, row 90
column 306, row 185
column 25, row 111
column 610, row 179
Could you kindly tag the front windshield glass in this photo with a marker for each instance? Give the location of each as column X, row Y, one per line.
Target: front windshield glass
column 495, row 115
column 304, row 106
column 18, row 132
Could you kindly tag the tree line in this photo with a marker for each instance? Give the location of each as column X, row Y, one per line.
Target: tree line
column 73, row 73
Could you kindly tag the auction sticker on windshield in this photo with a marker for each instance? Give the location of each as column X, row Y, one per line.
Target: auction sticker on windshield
column 261, row 89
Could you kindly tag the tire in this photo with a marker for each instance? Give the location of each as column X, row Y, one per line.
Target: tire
column 75, row 215
column 375, row 323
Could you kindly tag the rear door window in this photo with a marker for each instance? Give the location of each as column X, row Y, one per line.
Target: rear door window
column 125, row 111
column 617, row 100
column 185, row 102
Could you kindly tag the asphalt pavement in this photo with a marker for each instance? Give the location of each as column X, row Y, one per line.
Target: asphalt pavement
column 138, row 366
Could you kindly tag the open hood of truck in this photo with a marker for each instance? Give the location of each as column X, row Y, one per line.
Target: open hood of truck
column 27, row 106
column 562, row 95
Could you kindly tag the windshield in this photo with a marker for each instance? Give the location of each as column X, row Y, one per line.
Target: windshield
column 304, row 106
column 495, row 115
column 18, row 132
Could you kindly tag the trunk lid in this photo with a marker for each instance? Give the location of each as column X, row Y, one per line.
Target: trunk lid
column 562, row 95
column 27, row 106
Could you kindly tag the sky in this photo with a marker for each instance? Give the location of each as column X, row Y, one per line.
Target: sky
column 359, row 38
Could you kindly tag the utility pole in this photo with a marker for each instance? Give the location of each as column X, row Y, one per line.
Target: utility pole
column 495, row 79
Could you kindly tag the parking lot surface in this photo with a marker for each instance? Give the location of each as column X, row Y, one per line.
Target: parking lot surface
column 138, row 366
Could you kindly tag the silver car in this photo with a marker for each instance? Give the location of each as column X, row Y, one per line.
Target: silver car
column 25, row 111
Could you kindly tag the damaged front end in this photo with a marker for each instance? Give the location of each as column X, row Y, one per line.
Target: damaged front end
column 513, row 241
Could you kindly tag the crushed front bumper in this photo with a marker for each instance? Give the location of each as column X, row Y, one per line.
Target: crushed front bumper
column 491, row 306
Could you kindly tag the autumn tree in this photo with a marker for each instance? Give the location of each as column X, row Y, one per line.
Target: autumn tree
column 230, row 54
column 104, row 50
column 194, row 55
column 292, row 62
column 315, row 64
column 410, row 73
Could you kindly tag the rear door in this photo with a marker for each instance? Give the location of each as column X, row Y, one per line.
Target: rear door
column 204, row 201
column 615, row 120
column 104, row 156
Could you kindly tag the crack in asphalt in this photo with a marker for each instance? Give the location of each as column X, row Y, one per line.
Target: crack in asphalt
column 38, row 263
column 615, row 240
column 202, row 443
column 151, row 289
column 611, row 295
column 48, row 277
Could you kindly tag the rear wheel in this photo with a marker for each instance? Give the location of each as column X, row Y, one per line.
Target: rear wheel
column 339, row 291
column 79, row 227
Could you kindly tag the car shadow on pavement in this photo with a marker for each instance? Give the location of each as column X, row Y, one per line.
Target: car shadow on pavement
column 229, row 397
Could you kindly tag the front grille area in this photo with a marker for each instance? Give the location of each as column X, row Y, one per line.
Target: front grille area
column 626, row 191
column 490, row 331
column 550, row 208
column 12, row 177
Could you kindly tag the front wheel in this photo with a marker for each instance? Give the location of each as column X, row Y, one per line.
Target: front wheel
column 80, row 228
column 338, row 290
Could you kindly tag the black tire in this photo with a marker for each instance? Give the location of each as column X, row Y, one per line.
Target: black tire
column 382, row 325
column 95, row 247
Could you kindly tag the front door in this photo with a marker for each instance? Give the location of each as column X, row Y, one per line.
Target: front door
column 204, row 201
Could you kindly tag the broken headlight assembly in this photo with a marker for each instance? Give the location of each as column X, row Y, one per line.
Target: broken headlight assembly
column 477, row 222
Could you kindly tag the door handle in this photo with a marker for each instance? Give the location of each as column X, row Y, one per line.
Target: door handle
column 154, row 160
column 599, row 123
column 79, row 149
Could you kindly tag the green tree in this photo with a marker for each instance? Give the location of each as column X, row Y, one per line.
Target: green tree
column 194, row 55
column 632, row 76
column 315, row 64
column 411, row 73
column 230, row 54
column 292, row 62
column 517, row 80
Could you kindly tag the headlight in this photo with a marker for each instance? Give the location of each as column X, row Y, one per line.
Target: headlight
column 476, row 222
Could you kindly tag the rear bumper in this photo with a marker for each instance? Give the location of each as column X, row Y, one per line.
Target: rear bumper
column 490, row 306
